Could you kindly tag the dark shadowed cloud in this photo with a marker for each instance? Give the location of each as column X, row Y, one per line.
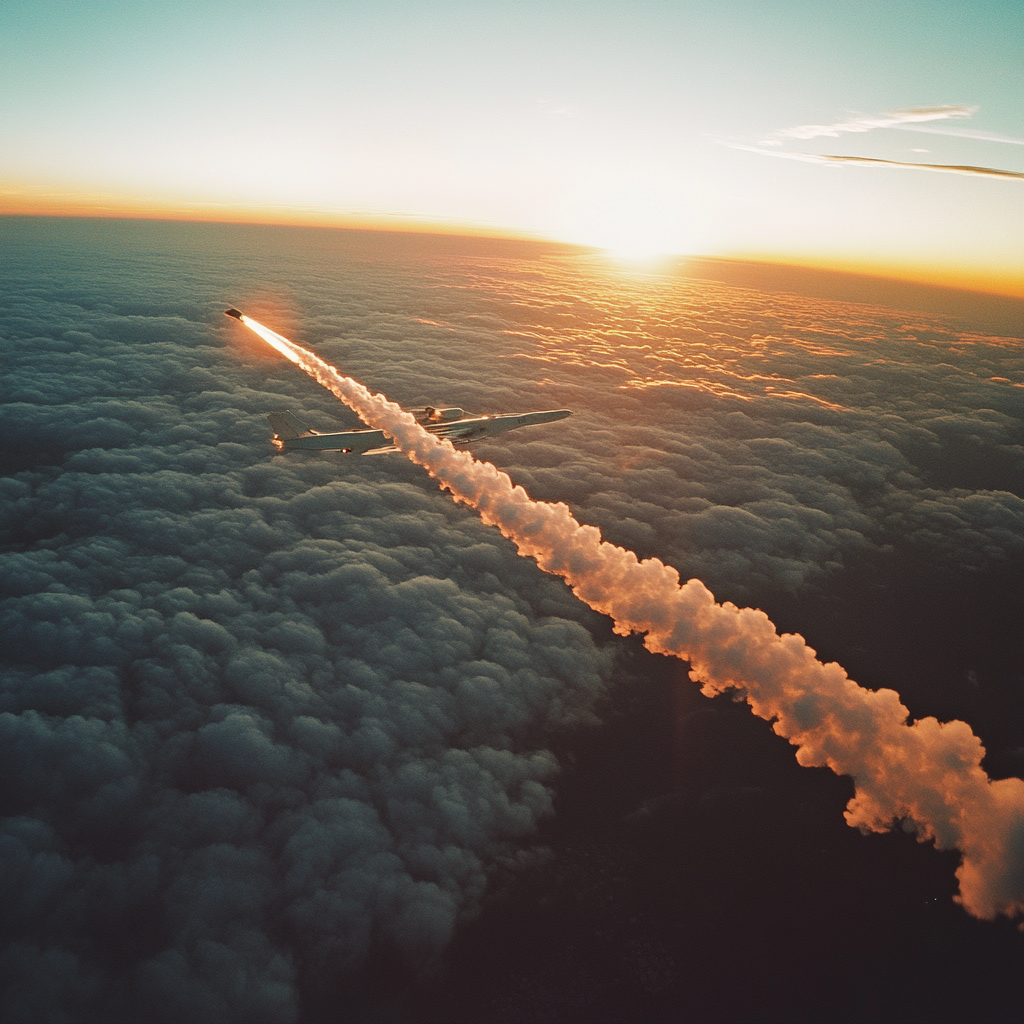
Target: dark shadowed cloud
column 243, row 694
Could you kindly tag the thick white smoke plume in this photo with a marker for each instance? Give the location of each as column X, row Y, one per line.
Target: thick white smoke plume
column 927, row 773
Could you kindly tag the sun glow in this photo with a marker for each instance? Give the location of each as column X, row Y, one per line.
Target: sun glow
column 637, row 238
column 633, row 220
column 638, row 252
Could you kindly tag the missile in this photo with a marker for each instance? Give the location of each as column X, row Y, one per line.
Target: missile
column 233, row 312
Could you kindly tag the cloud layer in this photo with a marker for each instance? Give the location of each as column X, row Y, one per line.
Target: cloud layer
column 265, row 716
column 927, row 774
column 269, row 713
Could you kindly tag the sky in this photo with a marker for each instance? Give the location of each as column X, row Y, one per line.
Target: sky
column 297, row 739
column 644, row 128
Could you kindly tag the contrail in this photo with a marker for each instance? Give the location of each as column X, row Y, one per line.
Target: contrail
column 926, row 773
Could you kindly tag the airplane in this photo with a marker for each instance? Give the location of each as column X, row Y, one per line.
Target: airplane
column 290, row 434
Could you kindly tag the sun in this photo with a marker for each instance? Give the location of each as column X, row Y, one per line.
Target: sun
column 631, row 227
column 637, row 247
column 638, row 252
column 632, row 234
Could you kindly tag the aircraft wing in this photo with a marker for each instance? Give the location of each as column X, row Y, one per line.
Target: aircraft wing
column 359, row 441
column 291, row 434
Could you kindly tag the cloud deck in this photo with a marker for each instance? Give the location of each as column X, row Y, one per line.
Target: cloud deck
column 264, row 715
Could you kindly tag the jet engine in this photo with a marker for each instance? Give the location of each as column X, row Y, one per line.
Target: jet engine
column 443, row 415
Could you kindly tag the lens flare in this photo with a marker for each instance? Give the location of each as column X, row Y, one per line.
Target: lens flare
column 926, row 774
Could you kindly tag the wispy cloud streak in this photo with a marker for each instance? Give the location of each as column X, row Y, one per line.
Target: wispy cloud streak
column 890, row 119
column 912, row 119
column 985, row 172
column 826, row 158
column 964, row 133
column 926, row 773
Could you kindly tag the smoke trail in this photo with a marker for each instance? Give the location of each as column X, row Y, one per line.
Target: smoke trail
column 927, row 773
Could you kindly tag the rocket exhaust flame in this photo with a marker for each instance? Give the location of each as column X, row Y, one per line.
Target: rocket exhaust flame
column 927, row 773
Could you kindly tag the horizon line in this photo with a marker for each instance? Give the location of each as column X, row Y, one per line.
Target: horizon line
column 1004, row 285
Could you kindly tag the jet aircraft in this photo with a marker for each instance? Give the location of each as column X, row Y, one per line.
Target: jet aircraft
column 290, row 434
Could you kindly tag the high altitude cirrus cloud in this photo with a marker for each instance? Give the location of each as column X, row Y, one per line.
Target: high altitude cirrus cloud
column 890, row 119
column 910, row 119
column 266, row 717
column 864, row 161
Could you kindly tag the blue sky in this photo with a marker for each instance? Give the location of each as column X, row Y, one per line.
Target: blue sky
column 640, row 127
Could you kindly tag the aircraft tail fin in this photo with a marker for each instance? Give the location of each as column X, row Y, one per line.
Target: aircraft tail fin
column 286, row 426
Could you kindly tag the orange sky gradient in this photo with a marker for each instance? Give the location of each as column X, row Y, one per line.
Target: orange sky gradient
column 37, row 202
column 644, row 129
